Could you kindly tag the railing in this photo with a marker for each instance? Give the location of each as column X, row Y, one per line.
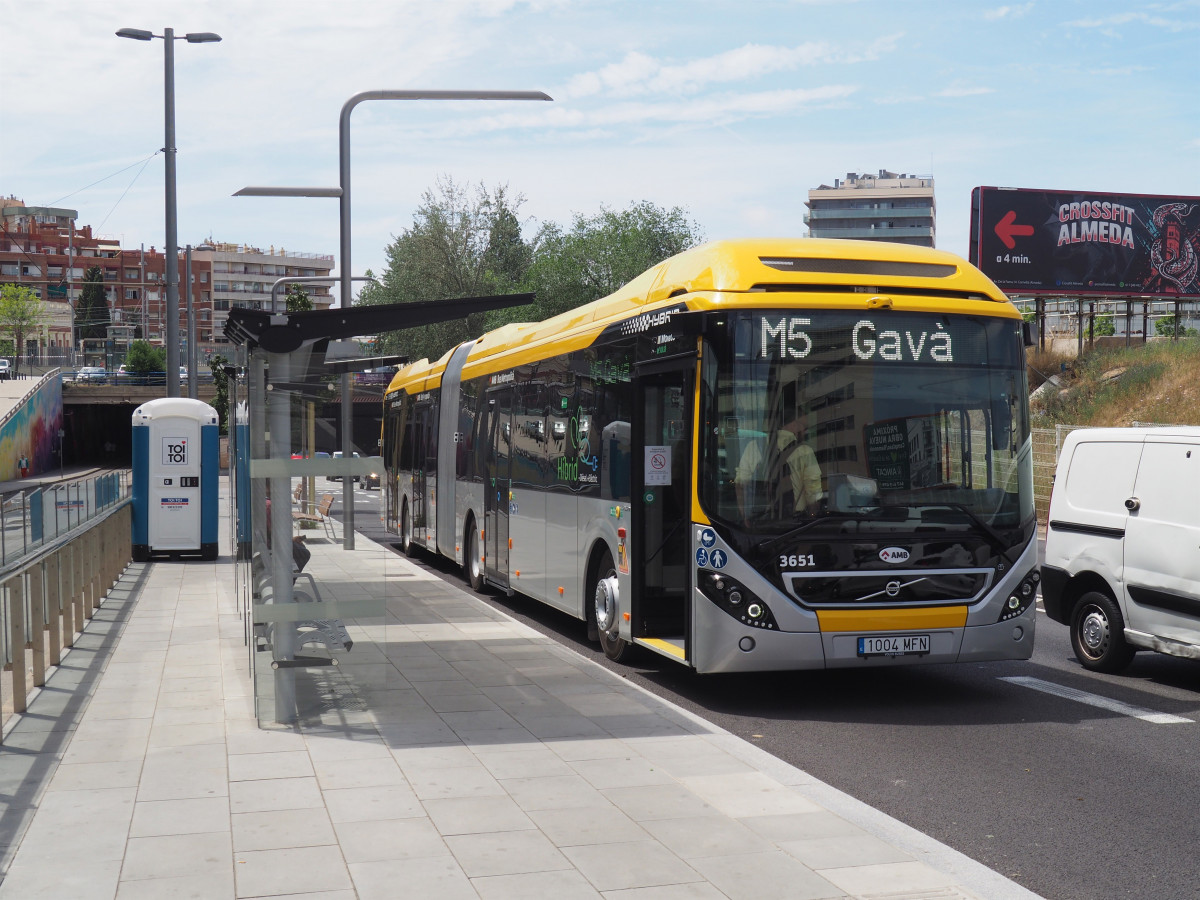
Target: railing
column 33, row 519
column 47, row 596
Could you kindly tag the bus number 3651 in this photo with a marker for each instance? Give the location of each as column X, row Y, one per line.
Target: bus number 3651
column 796, row 561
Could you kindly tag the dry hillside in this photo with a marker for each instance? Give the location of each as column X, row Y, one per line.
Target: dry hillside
column 1158, row 382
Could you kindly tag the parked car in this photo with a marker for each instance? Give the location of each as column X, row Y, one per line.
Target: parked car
column 5, row 370
column 92, row 373
column 371, row 481
column 1120, row 565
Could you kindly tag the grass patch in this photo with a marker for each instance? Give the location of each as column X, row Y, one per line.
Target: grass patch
column 1117, row 386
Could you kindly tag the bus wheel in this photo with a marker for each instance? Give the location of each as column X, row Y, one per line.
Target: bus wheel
column 606, row 606
column 406, row 541
column 1098, row 634
column 474, row 565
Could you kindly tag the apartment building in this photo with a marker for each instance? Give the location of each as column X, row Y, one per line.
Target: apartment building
column 44, row 249
column 242, row 276
column 883, row 207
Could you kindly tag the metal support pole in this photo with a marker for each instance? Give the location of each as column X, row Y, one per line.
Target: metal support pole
column 172, row 248
column 191, row 329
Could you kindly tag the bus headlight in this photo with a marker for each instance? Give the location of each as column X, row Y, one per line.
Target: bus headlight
column 736, row 599
column 1021, row 597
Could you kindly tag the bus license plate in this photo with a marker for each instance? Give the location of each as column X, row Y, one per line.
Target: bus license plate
column 894, row 645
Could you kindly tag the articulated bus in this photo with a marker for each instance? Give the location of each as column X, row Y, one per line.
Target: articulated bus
column 758, row 455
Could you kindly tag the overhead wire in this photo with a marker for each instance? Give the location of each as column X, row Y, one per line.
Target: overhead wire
column 143, row 163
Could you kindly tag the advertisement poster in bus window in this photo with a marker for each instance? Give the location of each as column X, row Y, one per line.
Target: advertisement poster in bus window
column 1056, row 242
column 887, row 454
column 904, row 453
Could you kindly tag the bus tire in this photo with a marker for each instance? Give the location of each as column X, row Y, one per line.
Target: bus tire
column 472, row 561
column 606, row 608
column 1098, row 634
column 406, row 541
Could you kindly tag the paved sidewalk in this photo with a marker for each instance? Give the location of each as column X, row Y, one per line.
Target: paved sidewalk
column 497, row 764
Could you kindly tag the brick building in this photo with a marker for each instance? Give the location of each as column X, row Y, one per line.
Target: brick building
column 44, row 249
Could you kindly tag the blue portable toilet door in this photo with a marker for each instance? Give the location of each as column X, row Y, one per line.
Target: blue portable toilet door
column 175, row 499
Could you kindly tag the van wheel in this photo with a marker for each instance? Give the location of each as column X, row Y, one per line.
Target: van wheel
column 606, row 607
column 406, row 541
column 1098, row 634
column 471, row 558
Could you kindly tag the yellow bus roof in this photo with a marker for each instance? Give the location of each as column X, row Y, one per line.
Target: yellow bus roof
column 740, row 266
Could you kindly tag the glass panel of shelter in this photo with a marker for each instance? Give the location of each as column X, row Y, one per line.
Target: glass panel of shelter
column 315, row 609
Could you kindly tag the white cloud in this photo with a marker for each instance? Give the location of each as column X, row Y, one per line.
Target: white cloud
column 1111, row 23
column 964, row 91
column 639, row 74
column 1007, row 12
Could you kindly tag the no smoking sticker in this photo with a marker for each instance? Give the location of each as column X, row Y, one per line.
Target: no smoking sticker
column 658, row 465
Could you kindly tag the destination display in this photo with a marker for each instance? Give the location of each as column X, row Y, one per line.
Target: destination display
column 889, row 337
column 1081, row 243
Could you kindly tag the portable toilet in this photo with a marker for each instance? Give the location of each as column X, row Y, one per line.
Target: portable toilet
column 176, row 447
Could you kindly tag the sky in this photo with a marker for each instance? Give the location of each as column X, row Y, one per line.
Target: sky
column 731, row 111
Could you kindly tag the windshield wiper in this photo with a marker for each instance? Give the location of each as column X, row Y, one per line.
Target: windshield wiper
column 798, row 530
column 994, row 537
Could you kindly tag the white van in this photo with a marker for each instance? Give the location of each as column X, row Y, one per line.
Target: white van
column 1122, row 565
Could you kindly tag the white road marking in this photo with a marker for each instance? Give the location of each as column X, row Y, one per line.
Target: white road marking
column 1124, row 709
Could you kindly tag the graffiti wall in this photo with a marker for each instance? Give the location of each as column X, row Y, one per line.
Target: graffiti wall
column 32, row 432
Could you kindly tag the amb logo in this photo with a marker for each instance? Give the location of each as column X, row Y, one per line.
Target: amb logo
column 894, row 555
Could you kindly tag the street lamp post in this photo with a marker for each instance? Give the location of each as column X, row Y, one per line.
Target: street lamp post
column 172, row 224
column 342, row 192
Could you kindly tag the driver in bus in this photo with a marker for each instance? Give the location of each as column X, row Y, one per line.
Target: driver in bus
column 790, row 475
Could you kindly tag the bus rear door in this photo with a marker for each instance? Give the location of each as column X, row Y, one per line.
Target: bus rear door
column 498, row 487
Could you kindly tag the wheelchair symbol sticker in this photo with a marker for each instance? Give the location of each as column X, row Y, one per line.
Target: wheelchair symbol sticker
column 702, row 557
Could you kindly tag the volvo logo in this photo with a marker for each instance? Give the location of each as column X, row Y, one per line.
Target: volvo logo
column 893, row 588
column 893, row 555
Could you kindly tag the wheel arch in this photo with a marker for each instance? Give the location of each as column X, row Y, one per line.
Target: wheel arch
column 1082, row 583
column 595, row 554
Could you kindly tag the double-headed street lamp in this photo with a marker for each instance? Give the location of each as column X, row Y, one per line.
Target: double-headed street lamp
column 342, row 192
column 172, row 245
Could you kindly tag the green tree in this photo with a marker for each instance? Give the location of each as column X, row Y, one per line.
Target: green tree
column 1165, row 327
column 296, row 299
column 221, row 393
column 1104, row 326
column 21, row 312
column 144, row 358
column 91, row 310
column 602, row 252
column 464, row 242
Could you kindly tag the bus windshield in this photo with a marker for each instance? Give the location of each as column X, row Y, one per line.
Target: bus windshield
column 854, row 423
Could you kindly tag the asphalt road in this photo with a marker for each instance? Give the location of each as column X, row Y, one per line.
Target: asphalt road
column 1069, row 798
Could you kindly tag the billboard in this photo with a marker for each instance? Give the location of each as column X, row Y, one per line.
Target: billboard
column 1081, row 242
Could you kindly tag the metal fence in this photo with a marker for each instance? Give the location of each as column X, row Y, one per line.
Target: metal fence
column 33, row 518
column 1046, row 444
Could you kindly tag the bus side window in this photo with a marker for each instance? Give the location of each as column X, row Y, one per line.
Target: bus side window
column 464, row 450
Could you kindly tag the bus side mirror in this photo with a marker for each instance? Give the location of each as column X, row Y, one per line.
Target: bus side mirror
column 1027, row 333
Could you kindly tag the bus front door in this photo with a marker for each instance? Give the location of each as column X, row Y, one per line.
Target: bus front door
column 662, row 509
column 497, row 488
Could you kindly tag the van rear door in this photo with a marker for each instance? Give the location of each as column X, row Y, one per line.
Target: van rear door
column 1162, row 542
